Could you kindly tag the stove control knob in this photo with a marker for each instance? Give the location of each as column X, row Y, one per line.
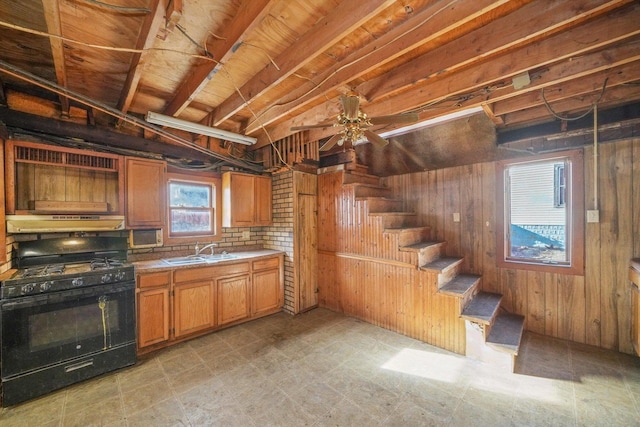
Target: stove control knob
column 45, row 286
column 78, row 281
column 106, row 278
column 27, row 289
column 120, row 275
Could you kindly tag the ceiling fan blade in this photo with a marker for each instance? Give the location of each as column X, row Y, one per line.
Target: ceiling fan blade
column 318, row 126
column 374, row 138
column 350, row 106
column 331, row 142
column 395, row 118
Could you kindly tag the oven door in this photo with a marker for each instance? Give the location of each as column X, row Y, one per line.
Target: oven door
column 41, row 330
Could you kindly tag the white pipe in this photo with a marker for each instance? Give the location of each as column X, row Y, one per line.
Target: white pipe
column 595, row 156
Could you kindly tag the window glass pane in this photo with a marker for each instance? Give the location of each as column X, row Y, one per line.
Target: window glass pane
column 190, row 221
column 189, row 195
column 537, row 216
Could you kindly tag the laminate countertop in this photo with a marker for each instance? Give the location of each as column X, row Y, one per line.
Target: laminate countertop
column 160, row 264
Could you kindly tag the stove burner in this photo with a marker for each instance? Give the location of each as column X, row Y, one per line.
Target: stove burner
column 105, row 263
column 43, row 270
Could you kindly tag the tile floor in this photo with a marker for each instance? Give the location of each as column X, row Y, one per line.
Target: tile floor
column 324, row 369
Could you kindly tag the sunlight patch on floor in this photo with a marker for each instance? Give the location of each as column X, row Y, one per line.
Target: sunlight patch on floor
column 436, row 366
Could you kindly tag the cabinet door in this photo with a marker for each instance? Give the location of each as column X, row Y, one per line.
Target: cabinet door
column 267, row 294
column 263, row 200
column 153, row 316
column 242, row 200
column 194, row 307
column 145, row 197
column 233, row 299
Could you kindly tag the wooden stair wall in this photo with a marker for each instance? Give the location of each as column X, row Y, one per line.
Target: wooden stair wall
column 378, row 264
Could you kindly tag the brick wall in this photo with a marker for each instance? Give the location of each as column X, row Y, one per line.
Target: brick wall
column 279, row 236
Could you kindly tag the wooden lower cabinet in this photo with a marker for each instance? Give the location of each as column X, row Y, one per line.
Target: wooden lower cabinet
column 153, row 308
column 267, row 292
column 233, row 299
column 153, row 316
column 193, row 307
column 174, row 305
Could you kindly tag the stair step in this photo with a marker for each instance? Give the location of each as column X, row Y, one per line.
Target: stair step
column 506, row 333
column 442, row 264
column 408, row 235
column 482, row 308
column 367, row 190
column 396, row 219
column 460, row 285
column 355, row 177
column 382, row 204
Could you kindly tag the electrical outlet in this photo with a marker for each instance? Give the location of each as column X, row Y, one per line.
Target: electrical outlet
column 593, row 216
column 246, row 235
column 456, row 217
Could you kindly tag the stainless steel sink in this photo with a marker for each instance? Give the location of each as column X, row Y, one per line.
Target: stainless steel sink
column 218, row 257
column 198, row 259
column 184, row 260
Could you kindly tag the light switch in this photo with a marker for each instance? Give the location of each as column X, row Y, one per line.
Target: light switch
column 456, row 217
column 593, row 216
column 246, row 235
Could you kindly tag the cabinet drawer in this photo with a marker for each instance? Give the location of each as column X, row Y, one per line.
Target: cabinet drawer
column 189, row 274
column 231, row 269
column 262, row 264
column 152, row 280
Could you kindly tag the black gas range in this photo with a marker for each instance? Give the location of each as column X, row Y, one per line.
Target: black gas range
column 67, row 313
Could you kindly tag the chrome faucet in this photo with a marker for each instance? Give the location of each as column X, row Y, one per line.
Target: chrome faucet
column 209, row 246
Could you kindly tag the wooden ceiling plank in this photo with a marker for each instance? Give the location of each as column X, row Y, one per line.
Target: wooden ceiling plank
column 587, row 64
column 401, row 39
column 51, row 10
column 574, row 106
column 249, row 16
column 614, row 76
column 341, row 21
column 543, row 18
column 568, row 46
column 560, row 48
column 150, row 28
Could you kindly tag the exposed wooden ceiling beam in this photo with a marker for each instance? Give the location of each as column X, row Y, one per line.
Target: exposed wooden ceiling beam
column 566, row 49
column 249, row 16
column 52, row 17
column 572, row 107
column 148, row 32
column 471, row 84
column 591, row 84
column 497, row 37
column 408, row 34
column 339, row 22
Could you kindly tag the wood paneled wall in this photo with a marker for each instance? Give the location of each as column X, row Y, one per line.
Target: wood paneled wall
column 362, row 273
column 594, row 308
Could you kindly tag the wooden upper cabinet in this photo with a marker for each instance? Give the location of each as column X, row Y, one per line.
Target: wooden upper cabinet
column 145, row 195
column 246, row 200
column 46, row 179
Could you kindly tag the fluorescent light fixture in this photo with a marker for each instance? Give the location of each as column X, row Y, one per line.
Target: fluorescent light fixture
column 172, row 122
column 431, row 122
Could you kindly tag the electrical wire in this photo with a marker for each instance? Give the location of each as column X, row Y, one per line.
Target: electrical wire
column 97, row 46
column 593, row 106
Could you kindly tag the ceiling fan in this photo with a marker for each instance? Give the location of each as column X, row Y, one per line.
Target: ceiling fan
column 354, row 124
